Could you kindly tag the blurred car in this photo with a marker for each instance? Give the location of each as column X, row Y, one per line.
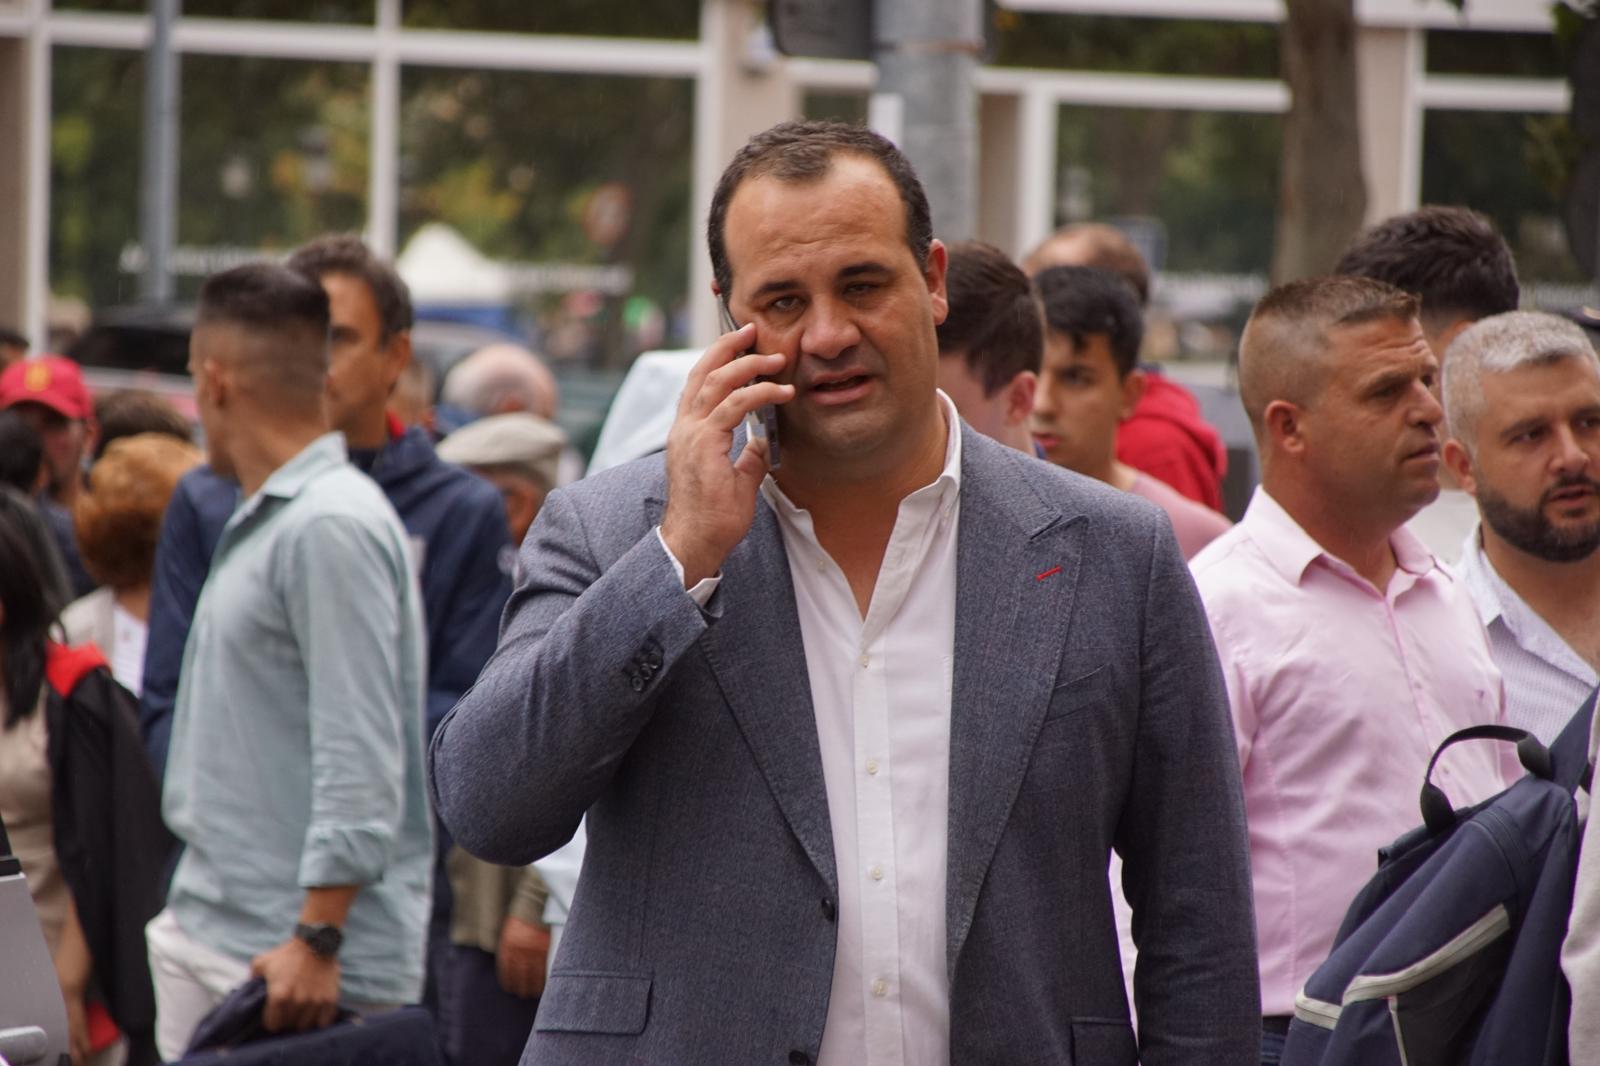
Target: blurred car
column 33, row 1017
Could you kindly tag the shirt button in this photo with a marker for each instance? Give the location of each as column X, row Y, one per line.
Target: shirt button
column 872, row 766
column 876, row 873
column 822, row 566
column 829, row 911
column 864, row 660
column 880, row 988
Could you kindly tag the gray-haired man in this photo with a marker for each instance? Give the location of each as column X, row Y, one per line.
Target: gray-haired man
column 1522, row 395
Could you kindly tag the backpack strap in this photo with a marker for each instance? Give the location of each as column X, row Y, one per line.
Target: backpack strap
column 1437, row 812
column 1570, row 750
column 64, row 667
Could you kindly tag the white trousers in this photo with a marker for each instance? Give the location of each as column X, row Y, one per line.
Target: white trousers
column 189, row 979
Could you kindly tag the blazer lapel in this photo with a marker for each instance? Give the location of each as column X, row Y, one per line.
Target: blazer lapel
column 757, row 654
column 1016, row 574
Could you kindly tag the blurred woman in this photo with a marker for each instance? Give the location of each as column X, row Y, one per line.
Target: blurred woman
column 81, row 806
column 118, row 522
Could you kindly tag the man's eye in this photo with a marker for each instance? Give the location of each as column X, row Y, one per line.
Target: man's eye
column 784, row 303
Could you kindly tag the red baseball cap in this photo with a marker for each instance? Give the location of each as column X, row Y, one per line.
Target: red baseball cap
column 51, row 380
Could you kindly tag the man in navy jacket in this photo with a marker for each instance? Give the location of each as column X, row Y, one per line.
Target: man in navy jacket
column 456, row 521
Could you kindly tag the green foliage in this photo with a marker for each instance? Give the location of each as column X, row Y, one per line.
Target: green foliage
column 1136, row 45
column 671, row 19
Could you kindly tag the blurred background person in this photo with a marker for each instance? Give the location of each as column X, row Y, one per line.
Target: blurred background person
column 1090, row 382
column 81, row 808
column 21, row 455
column 49, row 394
column 499, row 379
column 13, row 346
column 990, row 343
column 129, row 412
column 1456, row 262
column 1165, row 435
column 118, row 522
column 519, row 454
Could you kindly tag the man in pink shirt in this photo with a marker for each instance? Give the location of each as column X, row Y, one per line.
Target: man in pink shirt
column 1349, row 653
column 1090, row 382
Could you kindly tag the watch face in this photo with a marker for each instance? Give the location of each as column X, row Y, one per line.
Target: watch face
column 323, row 939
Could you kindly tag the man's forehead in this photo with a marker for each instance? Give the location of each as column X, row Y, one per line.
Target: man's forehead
column 773, row 223
column 1564, row 383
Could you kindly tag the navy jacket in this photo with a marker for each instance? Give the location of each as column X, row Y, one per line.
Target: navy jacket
column 457, row 520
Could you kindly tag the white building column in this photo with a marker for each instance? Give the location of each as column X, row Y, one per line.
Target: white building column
column 383, row 138
column 742, row 89
column 1390, row 62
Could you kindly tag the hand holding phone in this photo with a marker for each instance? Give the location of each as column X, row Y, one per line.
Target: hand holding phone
column 762, row 423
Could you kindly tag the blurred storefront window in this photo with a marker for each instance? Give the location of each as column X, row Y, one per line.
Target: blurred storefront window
column 567, row 195
column 663, row 19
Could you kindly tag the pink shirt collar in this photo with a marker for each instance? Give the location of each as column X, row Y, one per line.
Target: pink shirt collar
column 1291, row 550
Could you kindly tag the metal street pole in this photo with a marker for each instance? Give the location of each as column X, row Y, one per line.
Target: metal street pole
column 927, row 102
column 158, row 192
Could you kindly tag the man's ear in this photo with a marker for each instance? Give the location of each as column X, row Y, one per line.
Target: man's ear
column 1132, row 392
column 1282, row 423
column 933, row 273
column 396, row 354
column 1019, row 394
column 1459, row 463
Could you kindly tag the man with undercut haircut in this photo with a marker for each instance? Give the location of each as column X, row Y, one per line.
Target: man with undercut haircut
column 1091, row 384
column 295, row 773
column 1458, row 265
column 1522, row 392
column 1349, row 653
column 990, row 343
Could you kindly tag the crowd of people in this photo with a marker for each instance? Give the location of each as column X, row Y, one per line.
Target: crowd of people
column 969, row 730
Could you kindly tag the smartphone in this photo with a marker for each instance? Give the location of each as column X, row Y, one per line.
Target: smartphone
column 763, row 421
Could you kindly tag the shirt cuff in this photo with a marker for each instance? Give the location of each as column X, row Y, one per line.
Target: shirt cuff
column 701, row 593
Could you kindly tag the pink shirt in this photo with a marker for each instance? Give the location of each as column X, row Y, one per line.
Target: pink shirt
column 1195, row 524
column 1340, row 695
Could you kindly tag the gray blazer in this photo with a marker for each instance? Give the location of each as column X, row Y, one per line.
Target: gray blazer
column 1088, row 712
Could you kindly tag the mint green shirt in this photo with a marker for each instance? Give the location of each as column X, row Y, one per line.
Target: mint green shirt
column 297, row 756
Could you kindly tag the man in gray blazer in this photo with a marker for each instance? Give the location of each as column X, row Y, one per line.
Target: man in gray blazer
column 856, row 735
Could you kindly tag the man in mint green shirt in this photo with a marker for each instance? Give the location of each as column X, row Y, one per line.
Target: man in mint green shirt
column 295, row 777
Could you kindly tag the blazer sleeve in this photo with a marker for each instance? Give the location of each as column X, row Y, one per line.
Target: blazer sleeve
column 1186, row 868
column 582, row 656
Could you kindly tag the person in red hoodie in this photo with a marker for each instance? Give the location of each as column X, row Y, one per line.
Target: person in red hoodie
column 1165, row 436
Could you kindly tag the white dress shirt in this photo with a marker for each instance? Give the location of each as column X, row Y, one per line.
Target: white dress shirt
column 880, row 690
column 1546, row 681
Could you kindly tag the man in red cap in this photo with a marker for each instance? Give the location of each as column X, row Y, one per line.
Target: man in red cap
column 49, row 394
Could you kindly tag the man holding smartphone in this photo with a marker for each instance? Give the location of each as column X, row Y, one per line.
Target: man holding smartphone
column 855, row 737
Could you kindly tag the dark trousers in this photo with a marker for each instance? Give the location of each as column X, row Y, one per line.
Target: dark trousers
column 480, row 1023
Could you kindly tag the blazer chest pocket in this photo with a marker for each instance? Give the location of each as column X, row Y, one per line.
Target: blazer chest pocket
column 594, row 1002
column 1070, row 697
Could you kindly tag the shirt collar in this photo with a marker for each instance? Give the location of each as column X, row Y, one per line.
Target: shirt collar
column 322, row 454
column 1483, row 584
column 1497, row 602
column 1291, row 550
column 947, row 486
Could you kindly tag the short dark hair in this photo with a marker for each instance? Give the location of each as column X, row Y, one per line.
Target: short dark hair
column 1081, row 302
column 129, row 412
column 1452, row 258
column 995, row 320
column 283, row 309
column 21, row 453
column 346, row 253
column 803, row 152
column 11, row 338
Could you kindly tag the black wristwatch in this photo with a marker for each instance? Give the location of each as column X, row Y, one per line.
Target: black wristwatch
column 323, row 938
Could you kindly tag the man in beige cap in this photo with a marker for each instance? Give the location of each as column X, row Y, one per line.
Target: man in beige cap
column 517, row 453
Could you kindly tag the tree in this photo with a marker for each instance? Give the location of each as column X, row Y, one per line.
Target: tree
column 1322, row 194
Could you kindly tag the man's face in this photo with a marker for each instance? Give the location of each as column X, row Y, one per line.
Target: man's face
column 207, row 347
column 1371, row 434
column 823, row 270
column 1538, row 458
column 983, row 412
column 1081, row 401
column 65, row 440
column 362, row 365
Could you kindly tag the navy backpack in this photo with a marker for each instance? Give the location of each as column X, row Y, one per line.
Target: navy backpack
column 1451, row 954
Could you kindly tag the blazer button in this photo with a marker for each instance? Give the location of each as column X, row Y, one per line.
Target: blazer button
column 638, row 683
column 653, row 660
column 829, row 911
column 799, row 1058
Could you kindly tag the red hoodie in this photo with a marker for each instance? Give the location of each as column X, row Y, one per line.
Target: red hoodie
column 1166, row 438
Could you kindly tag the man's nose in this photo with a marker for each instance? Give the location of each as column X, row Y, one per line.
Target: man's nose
column 830, row 330
column 1571, row 457
column 1427, row 411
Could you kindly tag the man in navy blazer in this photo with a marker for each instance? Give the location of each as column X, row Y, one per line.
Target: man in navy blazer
column 856, row 734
